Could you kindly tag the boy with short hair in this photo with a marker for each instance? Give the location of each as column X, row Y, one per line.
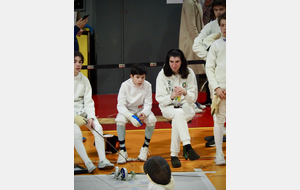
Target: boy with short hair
column 216, row 74
column 134, row 105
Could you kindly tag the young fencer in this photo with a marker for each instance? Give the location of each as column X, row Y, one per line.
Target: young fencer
column 84, row 114
column 134, row 105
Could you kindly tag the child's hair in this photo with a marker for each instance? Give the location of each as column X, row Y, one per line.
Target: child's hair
column 183, row 71
column 77, row 53
column 222, row 16
column 216, row 3
column 138, row 69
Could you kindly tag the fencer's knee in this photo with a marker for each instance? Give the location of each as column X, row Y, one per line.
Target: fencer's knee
column 77, row 132
column 219, row 119
column 151, row 125
column 151, row 120
column 78, row 135
column 99, row 128
column 179, row 112
column 121, row 123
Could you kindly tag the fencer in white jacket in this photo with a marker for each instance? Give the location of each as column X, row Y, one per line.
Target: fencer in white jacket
column 216, row 74
column 177, row 80
column 219, row 7
column 83, row 103
column 134, row 105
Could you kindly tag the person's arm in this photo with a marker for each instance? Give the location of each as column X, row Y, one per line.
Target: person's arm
column 211, row 66
column 76, row 30
column 88, row 101
column 122, row 97
column 198, row 46
column 162, row 95
column 192, row 89
column 79, row 25
column 148, row 99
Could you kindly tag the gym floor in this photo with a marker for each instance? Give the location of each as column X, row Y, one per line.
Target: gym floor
column 200, row 127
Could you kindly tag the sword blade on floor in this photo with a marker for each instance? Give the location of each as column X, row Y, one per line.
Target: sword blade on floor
column 83, row 114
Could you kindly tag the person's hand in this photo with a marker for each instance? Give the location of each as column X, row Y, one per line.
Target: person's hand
column 79, row 120
column 79, row 33
column 142, row 117
column 180, row 90
column 90, row 124
column 81, row 23
column 134, row 121
column 175, row 93
column 221, row 93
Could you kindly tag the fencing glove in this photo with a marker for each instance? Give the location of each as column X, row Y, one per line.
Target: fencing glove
column 133, row 119
column 215, row 105
column 79, row 120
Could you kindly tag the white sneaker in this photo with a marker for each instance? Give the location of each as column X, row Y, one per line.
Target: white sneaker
column 198, row 110
column 90, row 166
column 202, row 106
column 143, row 154
column 105, row 164
column 219, row 159
column 121, row 159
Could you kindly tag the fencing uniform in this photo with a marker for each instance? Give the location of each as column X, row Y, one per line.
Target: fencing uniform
column 83, row 102
column 210, row 28
column 136, row 100
column 154, row 186
column 216, row 74
column 164, row 89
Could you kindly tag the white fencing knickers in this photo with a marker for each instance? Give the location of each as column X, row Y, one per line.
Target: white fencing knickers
column 99, row 142
column 180, row 131
column 121, row 121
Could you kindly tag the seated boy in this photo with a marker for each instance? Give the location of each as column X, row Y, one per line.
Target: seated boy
column 134, row 105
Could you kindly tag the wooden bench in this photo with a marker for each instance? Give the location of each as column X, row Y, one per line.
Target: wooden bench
column 112, row 120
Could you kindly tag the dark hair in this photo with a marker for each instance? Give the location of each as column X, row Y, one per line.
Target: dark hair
column 77, row 53
column 216, row 3
column 183, row 70
column 138, row 69
column 222, row 16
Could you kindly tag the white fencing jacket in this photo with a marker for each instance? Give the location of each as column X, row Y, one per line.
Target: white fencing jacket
column 154, row 186
column 165, row 87
column 83, row 96
column 209, row 28
column 135, row 99
column 216, row 64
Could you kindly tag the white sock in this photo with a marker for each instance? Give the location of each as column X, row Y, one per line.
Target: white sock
column 218, row 135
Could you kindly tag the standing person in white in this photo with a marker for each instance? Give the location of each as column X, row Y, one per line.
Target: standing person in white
column 209, row 34
column 216, row 73
column 177, row 81
column 83, row 103
column 134, row 105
